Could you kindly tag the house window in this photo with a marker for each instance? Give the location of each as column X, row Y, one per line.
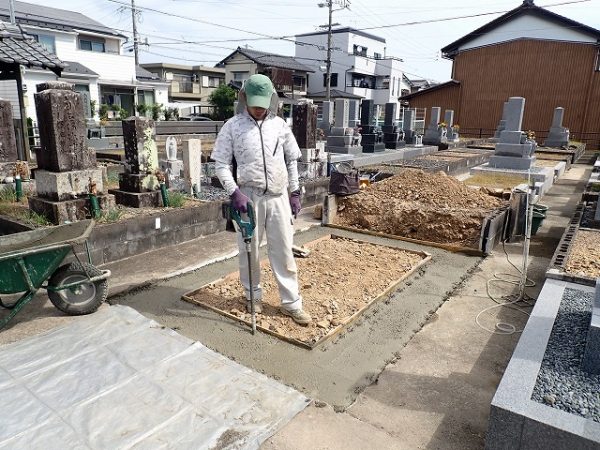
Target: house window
column 214, row 81
column 241, row 76
column 145, row 97
column 92, row 45
column 377, row 55
column 46, row 41
column 359, row 50
column 334, row 80
column 299, row 83
column 393, row 85
column 404, row 92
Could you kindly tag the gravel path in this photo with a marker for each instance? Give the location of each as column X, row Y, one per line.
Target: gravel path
column 584, row 258
column 561, row 383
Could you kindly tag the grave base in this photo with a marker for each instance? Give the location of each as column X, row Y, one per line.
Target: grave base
column 59, row 212
column 373, row 148
column 59, row 186
column 354, row 150
column 150, row 199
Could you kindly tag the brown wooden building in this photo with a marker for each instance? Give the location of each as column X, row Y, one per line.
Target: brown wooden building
column 529, row 52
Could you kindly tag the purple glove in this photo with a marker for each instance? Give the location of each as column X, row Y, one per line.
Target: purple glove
column 239, row 201
column 295, row 203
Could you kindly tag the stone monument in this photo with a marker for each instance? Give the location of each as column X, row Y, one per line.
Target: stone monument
column 435, row 134
column 558, row 136
column 591, row 355
column 304, row 127
column 172, row 167
column 452, row 133
column 514, row 151
column 391, row 135
column 327, row 120
column 342, row 138
column 192, row 165
column 502, row 124
column 408, row 127
column 353, row 113
column 372, row 136
column 8, row 142
column 138, row 186
column 67, row 171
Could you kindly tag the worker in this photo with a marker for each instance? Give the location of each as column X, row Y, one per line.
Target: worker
column 266, row 154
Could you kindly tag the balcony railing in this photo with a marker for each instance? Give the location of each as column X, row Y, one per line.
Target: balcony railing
column 186, row 87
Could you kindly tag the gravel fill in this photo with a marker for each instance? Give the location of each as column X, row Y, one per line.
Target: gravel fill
column 211, row 193
column 561, row 382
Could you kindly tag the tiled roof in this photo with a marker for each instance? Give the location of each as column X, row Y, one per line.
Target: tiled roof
column 271, row 60
column 54, row 18
column 143, row 74
column 15, row 49
column 77, row 68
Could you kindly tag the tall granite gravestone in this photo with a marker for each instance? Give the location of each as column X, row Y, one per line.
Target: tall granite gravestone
column 591, row 355
column 353, row 113
column 558, row 136
column 391, row 135
column 502, row 124
column 342, row 138
column 192, row 165
column 372, row 136
column 138, row 186
column 435, row 134
column 67, row 170
column 408, row 126
column 304, row 125
column 514, row 151
column 327, row 120
column 172, row 167
column 452, row 133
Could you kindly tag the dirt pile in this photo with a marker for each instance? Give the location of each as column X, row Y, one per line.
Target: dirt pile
column 584, row 258
column 339, row 278
column 418, row 205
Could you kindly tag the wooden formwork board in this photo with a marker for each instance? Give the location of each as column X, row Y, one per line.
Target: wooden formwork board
column 391, row 288
column 492, row 229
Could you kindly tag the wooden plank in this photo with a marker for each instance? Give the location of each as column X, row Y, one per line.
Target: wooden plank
column 392, row 287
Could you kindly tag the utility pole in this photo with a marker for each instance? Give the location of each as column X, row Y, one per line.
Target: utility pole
column 11, row 8
column 328, row 76
column 135, row 34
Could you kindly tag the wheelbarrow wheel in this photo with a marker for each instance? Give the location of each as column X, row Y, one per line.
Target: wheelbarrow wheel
column 85, row 298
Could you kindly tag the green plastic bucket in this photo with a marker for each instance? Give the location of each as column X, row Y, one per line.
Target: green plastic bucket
column 536, row 221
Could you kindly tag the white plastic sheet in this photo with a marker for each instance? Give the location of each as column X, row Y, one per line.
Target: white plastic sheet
column 117, row 380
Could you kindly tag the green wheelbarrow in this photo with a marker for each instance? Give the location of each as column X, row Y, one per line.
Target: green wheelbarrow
column 29, row 259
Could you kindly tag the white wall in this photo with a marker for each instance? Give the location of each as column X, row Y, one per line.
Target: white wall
column 528, row 26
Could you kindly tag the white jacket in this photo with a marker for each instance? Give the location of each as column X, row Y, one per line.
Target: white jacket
column 266, row 153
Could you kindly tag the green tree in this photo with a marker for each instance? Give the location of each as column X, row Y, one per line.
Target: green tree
column 222, row 99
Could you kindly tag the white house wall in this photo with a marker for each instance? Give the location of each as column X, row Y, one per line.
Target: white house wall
column 528, row 26
column 8, row 91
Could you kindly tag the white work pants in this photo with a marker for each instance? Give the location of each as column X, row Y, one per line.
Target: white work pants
column 273, row 217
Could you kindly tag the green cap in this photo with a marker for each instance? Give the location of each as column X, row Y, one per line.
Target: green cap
column 259, row 90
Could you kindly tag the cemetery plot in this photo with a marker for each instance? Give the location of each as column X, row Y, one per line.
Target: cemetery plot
column 495, row 181
column 340, row 280
column 420, row 206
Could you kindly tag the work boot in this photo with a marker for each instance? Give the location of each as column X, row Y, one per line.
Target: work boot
column 257, row 306
column 298, row 315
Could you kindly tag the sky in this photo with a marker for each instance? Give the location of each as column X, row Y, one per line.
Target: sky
column 217, row 27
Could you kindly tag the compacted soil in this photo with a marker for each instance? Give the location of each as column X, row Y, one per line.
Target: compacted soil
column 584, row 258
column 414, row 204
column 338, row 279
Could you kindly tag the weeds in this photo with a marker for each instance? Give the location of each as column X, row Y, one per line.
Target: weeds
column 110, row 215
column 176, row 199
column 8, row 195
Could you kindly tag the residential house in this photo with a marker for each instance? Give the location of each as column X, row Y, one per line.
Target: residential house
column 189, row 86
column 96, row 63
column 289, row 76
column 359, row 65
column 529, row 52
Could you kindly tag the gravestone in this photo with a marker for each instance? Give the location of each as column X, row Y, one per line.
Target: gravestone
column 558, row 136
column 172, row 167
column 514, row 151
column 452, row 133
column 327, row 120
column 8, row 142
column 353, row 113
column 435, row 134
column 408, row 126
column 192, row 165
column 138, row 186
column 391, row 136
column 591, row 355
column 304, row 125
column 502, row 124
column 372, row 136
column 342, row 138
column 67, row 171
